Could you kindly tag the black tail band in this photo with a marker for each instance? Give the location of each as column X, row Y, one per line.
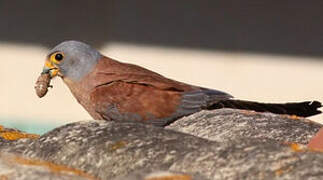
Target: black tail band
column 303, row 109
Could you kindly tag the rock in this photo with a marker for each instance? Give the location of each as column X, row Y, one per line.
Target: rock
column 10, row 134
column 15, row 140
column 108, row 150
column 224, row 124
column 16, row 167
column 158, row 175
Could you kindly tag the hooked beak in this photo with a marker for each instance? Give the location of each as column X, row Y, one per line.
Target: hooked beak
column 50, row 69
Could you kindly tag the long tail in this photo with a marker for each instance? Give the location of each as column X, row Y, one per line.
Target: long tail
column 303, row 109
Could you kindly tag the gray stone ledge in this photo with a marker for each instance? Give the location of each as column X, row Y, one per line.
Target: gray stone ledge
column 232, row 144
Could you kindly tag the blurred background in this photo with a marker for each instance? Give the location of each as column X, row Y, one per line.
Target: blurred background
column 265, row 50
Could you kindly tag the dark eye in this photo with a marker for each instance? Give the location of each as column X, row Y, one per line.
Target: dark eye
column 59, row 57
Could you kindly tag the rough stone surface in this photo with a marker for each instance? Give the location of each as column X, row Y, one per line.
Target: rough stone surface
column 159, row 175
column 108, row 150
column 10, row 134
column 16, row 167
column 224, row 124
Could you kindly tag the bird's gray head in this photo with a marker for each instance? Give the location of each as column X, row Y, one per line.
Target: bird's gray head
column 71, row 59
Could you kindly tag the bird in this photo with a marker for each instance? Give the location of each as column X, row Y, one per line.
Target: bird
column 116, row 91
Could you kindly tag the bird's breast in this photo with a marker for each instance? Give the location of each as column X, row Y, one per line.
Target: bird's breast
column 81, row 91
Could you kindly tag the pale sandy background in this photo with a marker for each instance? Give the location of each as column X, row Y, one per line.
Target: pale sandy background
column 256, row 77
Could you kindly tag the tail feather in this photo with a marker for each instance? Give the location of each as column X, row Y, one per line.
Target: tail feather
column 303, row 109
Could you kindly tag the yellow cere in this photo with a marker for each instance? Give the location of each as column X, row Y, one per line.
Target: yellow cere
column 49, row 65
